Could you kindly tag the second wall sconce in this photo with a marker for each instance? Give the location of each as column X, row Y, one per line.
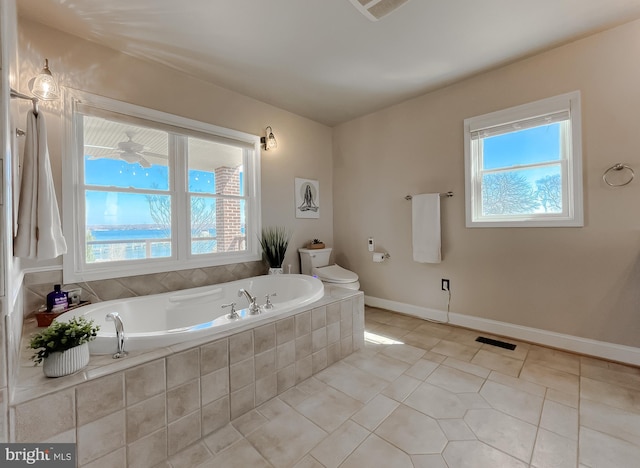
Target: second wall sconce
column 269, row 142
column 44, row 85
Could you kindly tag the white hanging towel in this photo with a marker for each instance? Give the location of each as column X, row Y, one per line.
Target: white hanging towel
column 39, row 234
column 426, row 228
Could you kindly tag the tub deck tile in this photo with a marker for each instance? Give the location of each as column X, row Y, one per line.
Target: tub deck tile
column 191, row 390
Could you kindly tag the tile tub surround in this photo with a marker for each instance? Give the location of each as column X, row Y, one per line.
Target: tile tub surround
column 151, row 406
column 38, row 285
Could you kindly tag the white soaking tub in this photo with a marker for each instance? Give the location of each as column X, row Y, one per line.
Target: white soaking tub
column 166, row 319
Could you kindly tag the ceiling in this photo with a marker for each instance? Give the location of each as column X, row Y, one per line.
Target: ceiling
column 323, row 59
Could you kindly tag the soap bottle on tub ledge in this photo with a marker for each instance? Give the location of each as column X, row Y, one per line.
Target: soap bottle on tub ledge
column 57, row 300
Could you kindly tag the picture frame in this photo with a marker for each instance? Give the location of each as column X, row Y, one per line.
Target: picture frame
column 307, row 198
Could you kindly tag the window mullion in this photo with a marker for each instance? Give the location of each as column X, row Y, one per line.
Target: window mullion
column 79, row 201
column 520, row 166
column 111, row 188
column 180, row 220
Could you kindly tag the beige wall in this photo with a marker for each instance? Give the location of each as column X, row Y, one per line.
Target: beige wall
column 304, row 146
column 578, row 281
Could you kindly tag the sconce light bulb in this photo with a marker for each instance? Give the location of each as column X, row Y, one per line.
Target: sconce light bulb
column 44, row 86
column 271, row 141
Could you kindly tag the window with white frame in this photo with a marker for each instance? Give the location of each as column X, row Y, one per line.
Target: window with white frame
column 145, row 191
column 523, row 165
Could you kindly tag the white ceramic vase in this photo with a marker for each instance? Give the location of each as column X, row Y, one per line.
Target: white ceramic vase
column 67, row 362
column 276, row 271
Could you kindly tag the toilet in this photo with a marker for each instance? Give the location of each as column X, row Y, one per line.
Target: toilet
column 315, row 262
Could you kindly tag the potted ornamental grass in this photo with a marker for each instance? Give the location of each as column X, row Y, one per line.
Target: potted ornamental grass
column 274, row 242
column 63, row 347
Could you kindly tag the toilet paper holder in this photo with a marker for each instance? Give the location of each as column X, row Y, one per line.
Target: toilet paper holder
column 380, row 256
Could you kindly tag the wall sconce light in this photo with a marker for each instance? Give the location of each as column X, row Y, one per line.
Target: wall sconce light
column 44, row 86
column 269, row 142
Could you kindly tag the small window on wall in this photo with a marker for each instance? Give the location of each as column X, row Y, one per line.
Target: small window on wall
column 147, row 192
column 523, row 165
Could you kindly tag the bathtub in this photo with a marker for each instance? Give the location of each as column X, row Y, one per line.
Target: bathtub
column 166, row 319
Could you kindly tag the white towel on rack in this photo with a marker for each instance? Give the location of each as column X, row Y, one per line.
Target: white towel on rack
column 426, row 228
column 39, row 233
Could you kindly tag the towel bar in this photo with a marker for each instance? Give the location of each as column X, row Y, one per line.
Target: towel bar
column 442, row 194
column 34, row 100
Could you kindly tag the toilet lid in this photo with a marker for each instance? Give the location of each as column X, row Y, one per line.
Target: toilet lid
column 335, row 274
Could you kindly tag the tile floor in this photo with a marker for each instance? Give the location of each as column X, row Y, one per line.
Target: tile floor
column 423, row 394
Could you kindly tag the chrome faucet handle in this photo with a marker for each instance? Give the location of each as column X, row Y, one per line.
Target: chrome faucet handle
column 233, row 314
column 269, row 305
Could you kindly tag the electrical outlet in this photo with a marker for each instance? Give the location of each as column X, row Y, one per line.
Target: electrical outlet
column 445, row 284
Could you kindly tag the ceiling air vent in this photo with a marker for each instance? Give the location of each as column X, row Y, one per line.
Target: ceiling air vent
column 377, row 9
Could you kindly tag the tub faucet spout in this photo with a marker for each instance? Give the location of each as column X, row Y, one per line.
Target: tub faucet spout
column 254, row 308
column 115, row 318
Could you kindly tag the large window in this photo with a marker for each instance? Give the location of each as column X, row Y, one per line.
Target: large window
column 524, row 165
column 146, row 191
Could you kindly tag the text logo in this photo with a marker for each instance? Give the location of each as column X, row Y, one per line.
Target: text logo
column 38, row 455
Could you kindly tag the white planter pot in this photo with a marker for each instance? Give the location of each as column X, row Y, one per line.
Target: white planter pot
column 67, row 362
column 276, row 271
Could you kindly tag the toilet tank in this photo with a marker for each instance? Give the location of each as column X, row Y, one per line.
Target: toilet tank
column 310, row 258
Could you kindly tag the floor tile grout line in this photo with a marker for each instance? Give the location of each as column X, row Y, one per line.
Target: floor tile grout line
column 351, row 452
column 393, row 444
column 478, row 392
column 328, row 434
column 379, row 350
column 348, row 419
column 535, row 439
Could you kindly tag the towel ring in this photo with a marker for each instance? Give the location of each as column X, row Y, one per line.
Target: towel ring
column 618, row 167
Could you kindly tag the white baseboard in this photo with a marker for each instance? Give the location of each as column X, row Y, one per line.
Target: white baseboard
column 576, row 344
column 409, row 309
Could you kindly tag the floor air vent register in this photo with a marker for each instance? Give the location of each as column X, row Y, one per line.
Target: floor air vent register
column 498, row 343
